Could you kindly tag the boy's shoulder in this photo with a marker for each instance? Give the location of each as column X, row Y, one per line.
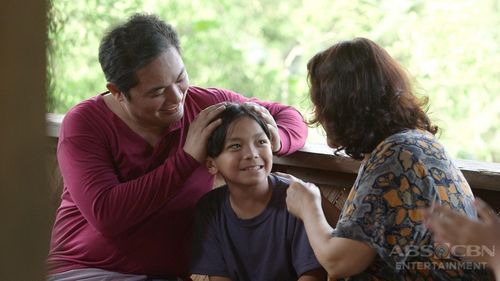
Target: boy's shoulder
column 213, row 198
column 278, row 181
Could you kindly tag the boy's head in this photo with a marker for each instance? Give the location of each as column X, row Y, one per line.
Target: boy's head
column 240, row 148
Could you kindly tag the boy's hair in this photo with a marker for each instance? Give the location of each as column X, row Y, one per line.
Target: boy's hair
column 232, row 112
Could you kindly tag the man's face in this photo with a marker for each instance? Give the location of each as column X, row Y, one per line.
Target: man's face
column 158, row 99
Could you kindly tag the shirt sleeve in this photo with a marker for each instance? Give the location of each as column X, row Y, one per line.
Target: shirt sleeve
column 303, row 257
column 291, row 126
column 207, row 256
column 106, row 203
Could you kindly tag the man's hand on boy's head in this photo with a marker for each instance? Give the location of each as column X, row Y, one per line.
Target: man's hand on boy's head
column 271, row 124
column 200, row 130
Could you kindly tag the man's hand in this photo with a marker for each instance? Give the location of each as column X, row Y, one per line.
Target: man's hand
column 200, row 130
column 271, row 124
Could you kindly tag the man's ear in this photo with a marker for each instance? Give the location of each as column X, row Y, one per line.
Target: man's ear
column 211, row 166
column 113, row 89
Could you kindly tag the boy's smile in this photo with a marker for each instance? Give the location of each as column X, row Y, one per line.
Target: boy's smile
column 252, row 168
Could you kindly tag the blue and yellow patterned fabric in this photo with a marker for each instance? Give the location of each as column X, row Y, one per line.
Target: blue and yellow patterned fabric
column 402, row 177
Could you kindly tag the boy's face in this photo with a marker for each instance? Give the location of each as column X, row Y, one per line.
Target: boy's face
column 247, row 158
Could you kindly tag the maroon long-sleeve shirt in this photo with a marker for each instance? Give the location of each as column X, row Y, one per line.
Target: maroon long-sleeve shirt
column 129, row 207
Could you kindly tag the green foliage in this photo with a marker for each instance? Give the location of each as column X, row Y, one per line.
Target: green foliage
column 260, row 48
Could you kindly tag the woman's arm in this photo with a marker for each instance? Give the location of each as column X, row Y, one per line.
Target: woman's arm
column 340, row 257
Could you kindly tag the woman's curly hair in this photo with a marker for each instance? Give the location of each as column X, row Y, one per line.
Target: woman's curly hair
column 361, row 95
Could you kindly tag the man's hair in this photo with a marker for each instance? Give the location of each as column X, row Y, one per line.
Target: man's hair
column 361, row 95
column 132, row 45
column 232, row 113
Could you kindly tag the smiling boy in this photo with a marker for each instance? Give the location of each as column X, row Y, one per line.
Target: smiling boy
column 243, row 230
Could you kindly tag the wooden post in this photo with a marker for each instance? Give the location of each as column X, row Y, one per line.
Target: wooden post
column 24, row 192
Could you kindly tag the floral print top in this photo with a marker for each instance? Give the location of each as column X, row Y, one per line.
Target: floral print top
column 404, row 175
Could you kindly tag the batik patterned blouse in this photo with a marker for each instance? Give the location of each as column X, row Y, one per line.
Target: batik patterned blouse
column 403, row 176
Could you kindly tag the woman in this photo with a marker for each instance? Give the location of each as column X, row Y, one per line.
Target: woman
column 365, row 102
column 131, row 160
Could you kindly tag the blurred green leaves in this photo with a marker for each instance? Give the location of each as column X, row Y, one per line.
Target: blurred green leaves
column 261, row 48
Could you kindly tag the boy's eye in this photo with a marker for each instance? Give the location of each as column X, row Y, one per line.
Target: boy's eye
column 262, row 141
column 234, row 146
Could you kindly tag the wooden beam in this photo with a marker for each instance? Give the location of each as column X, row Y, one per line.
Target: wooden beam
column 480, row 175
column 317, row 163
column 24, row 202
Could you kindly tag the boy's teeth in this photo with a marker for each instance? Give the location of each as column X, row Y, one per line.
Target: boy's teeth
column 253, row 168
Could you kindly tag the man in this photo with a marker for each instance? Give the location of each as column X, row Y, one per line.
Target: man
column 131, row 160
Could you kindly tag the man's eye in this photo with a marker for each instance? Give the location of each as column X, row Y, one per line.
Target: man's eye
column 182, row 78
column 157, row 93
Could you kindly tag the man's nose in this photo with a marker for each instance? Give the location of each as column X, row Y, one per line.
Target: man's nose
column 174, row 94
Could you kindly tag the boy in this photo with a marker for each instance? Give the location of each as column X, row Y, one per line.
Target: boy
column 243, row 230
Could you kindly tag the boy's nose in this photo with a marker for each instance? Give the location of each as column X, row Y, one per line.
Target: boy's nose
column 252, row 152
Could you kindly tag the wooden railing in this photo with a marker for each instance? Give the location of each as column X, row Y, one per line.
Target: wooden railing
column 336, row 174
column 316, row 163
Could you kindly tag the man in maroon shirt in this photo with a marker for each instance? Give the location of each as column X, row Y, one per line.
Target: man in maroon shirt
column 131, row 160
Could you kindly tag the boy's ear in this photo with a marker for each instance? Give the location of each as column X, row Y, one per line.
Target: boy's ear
column 211, row 166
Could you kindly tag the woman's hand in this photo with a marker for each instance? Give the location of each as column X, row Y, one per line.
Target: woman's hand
column 341, row 257
column 271, row 124
column 301, row 197
column 200, row 130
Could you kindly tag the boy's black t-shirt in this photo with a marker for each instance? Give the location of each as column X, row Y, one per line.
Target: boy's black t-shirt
column 271, row 246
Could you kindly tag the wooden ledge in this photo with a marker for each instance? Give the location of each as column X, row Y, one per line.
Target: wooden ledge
column 482, row 175
column 53, row 124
